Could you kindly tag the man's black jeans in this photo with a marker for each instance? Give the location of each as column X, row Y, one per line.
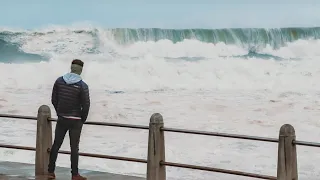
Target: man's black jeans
column 74, row 126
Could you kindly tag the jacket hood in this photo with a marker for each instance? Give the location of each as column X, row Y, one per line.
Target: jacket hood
column 71, row 78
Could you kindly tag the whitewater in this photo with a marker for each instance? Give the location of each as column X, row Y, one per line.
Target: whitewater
column 243, row 81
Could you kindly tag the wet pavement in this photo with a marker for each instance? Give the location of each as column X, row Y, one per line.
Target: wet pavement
column 22, row 171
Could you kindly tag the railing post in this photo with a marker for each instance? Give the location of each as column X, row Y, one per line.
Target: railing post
column 156, row 149
column 287, row 154
column 44, row 140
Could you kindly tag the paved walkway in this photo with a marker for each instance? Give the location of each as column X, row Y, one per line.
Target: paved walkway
column 22, row 171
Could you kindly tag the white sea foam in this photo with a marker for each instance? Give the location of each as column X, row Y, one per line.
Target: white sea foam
column 246, row 96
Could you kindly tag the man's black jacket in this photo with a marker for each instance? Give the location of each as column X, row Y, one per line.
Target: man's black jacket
column 71, row 99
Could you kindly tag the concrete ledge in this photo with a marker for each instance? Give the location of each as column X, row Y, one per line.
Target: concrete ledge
column 21, row 171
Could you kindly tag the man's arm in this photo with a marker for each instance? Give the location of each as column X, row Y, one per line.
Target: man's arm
column 54, row 96
column 85, row 102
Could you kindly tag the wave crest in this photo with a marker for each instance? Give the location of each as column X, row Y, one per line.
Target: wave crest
column 168, row 43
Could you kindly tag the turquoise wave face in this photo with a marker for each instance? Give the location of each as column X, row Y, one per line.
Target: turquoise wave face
column 275, row 37
column 245, row 37
column 250, row 39
column 11, row 53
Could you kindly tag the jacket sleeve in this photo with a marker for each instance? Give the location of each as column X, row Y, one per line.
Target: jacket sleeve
column 85, row 102
column 54, row 96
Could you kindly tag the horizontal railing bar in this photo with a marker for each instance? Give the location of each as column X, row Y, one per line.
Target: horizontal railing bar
column 111, row 124
column 236, row 136
column 80, row 153
column 17, row 147
column 305, row 143
column 225, row 171
column 106, row 156
column 18, row 116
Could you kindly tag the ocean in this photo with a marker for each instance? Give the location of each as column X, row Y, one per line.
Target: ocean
column 244, row 81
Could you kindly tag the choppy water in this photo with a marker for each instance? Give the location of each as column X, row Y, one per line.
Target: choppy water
column 248, row 81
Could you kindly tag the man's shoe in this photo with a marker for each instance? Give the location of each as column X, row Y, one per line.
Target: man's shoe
column 78, row 177
column 51, row 176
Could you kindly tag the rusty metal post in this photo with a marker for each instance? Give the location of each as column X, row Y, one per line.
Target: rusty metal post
column 156, row 149
column 287, row 154
column 44, row 140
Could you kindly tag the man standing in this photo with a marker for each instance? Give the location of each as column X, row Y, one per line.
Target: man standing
column 71, row 100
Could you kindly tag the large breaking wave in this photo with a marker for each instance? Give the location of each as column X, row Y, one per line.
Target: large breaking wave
column 194, row 44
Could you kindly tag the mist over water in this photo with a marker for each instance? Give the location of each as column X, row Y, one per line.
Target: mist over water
column 153, row 59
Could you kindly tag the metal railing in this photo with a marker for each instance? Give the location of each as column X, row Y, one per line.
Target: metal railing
column 156, row 163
